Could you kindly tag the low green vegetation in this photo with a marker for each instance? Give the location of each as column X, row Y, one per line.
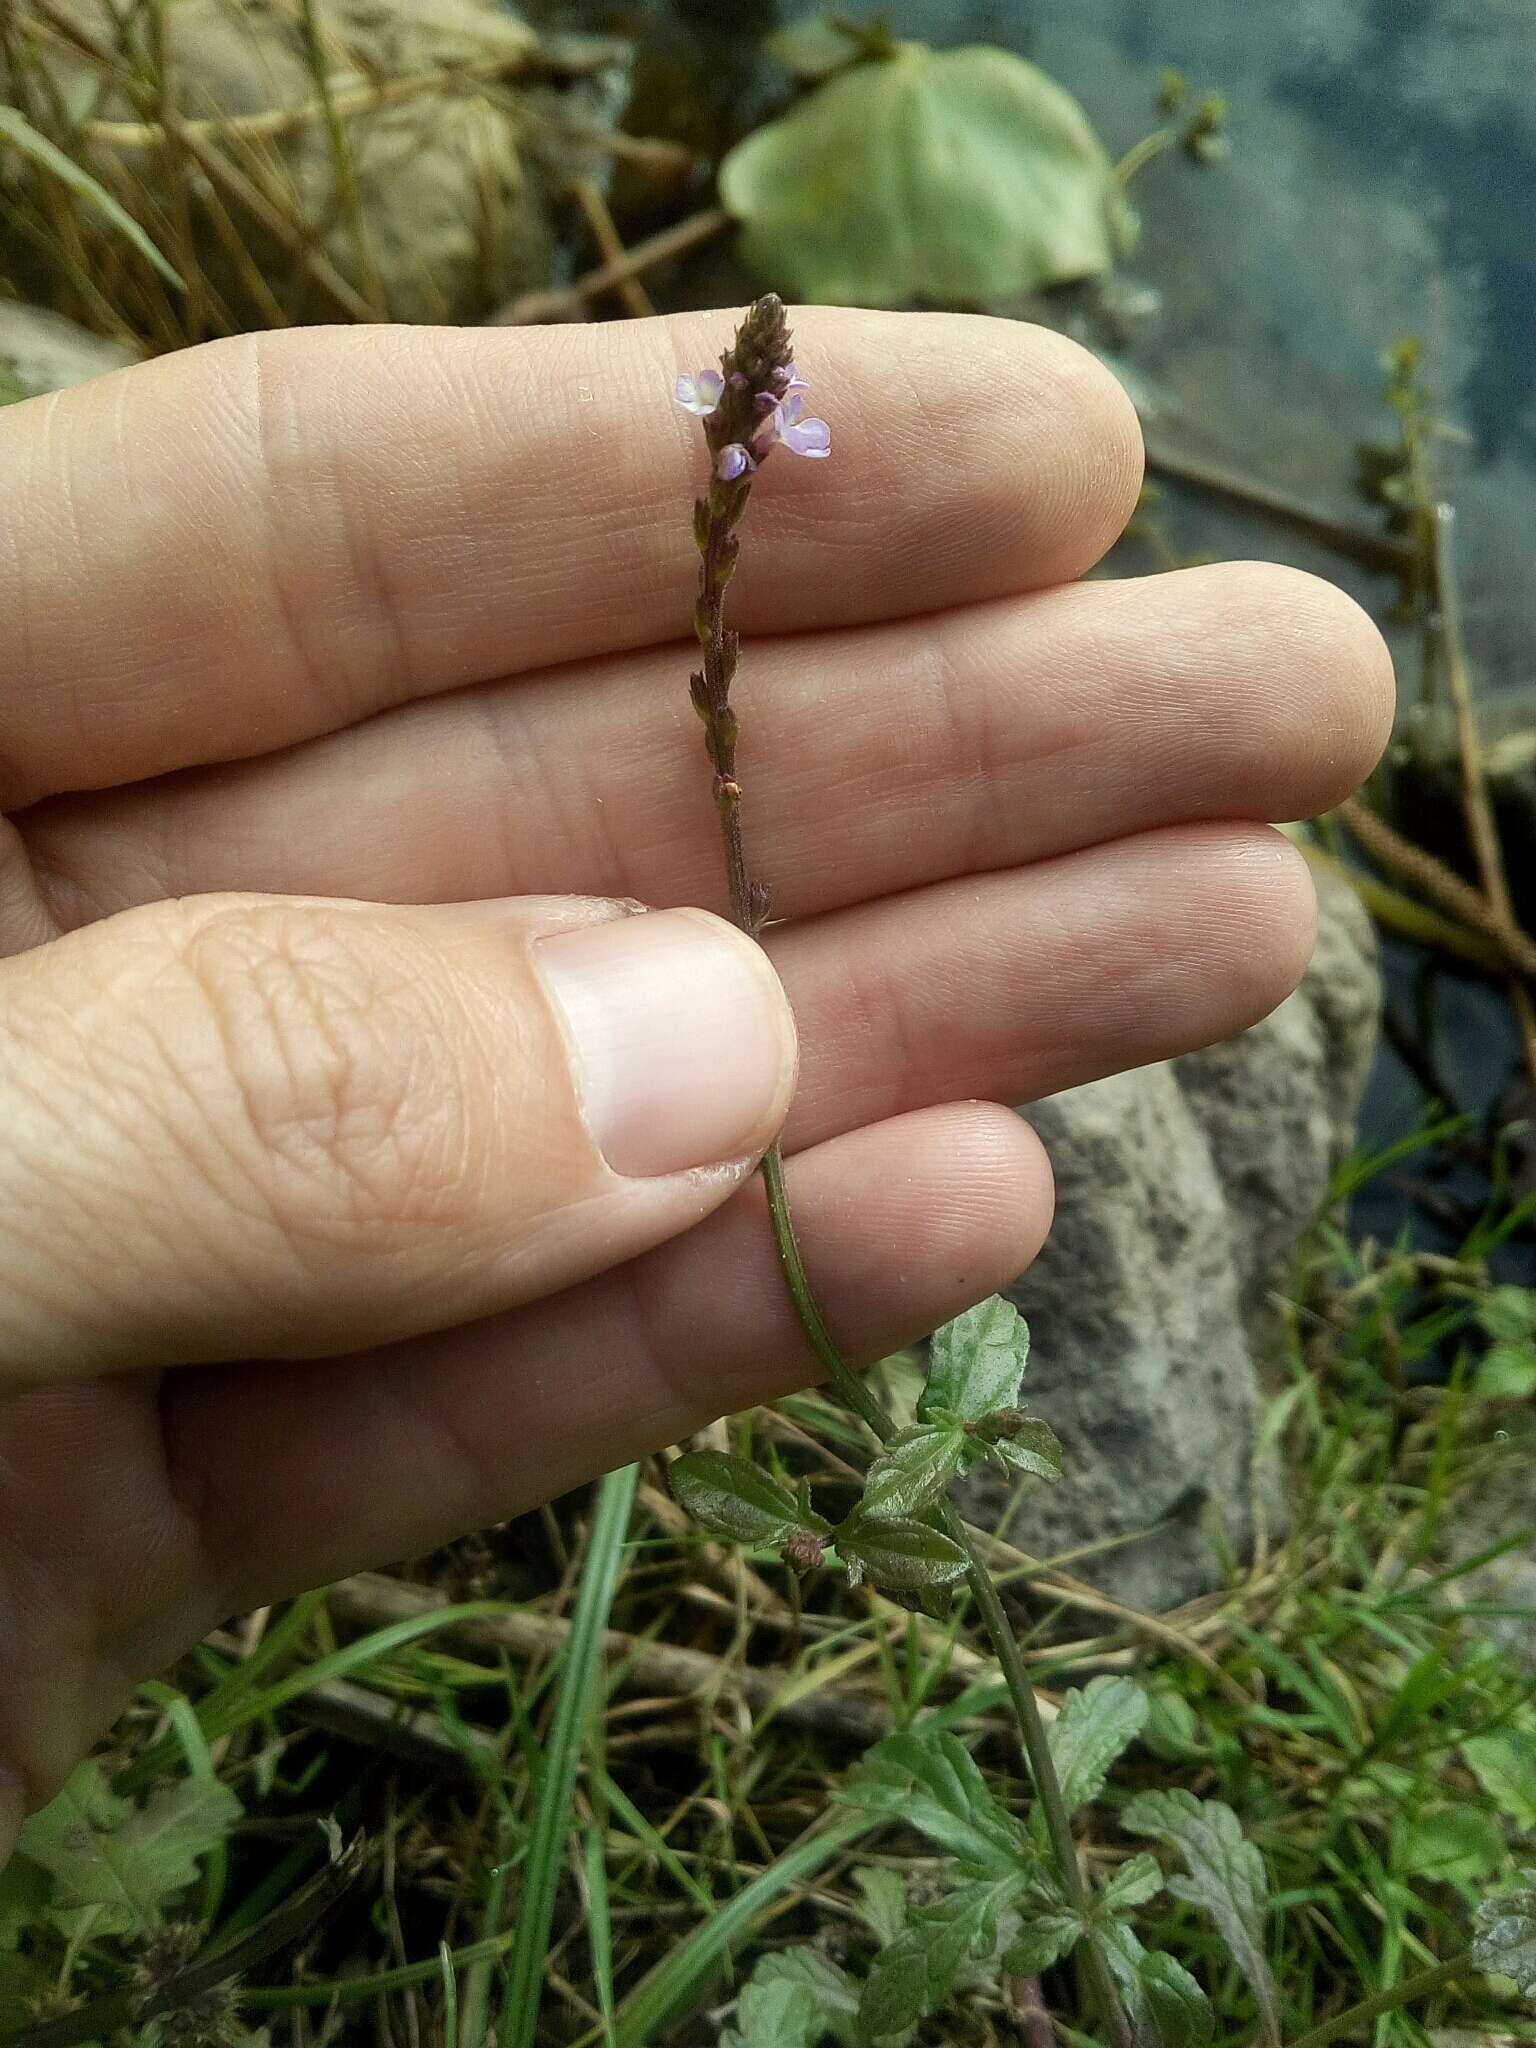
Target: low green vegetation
column 779, row 1810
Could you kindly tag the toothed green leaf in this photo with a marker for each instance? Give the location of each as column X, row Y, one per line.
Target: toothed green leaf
column 976, row 1363
column 906, row 1556
column 125, row 1862
column 1095, row 1724
column 1132, row 1885
column 917, row 1973
column 931, row 1782
column 1041, row 1942
column 1226, row 1879
column 913, row 1470
column 733, row 1498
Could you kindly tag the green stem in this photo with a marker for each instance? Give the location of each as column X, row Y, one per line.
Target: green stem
column 1142, row 153
column 1042, row 1768
column 715, row 518
column 856, row 1395
column 853, row 1391
column 1402, row 1993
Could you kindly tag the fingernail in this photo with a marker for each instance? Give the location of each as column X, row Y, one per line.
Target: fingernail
column 682, row 1041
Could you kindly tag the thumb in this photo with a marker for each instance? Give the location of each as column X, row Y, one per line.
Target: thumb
column 241, row 1126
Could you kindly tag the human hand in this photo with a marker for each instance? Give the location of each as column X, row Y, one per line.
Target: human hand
column 338, row 1219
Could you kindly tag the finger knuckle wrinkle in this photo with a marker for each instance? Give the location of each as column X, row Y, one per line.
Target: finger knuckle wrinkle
column 340, row 1068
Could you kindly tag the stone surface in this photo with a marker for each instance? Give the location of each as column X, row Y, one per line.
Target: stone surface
column 42, row 351
column 462, row 137
column 1182, row 1190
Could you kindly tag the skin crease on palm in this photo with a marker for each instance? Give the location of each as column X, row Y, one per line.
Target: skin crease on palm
column 347, row 730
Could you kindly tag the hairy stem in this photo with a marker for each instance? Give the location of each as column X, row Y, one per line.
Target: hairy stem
column 749, row 902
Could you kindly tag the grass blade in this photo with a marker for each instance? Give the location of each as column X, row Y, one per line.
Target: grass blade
column 693, row 1963
column 16, row 129
column 579, row 1679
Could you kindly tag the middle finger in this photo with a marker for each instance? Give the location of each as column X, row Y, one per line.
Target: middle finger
column 875, row 760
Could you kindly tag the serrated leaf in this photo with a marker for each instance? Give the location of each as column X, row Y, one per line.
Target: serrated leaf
column 1095, row 1724
column 1451, row 1844
column 17, row 130
column 976, row 1363
column 1508, row 1314
column 738, row 1500
column 885, row 1902
column 917, row 1973
column 913, row 1470
column 1179, row 2008
column 775, row 2015
column 125, row 1863
column 954, row 176
column 1132, row 1884
column 1226, row 1879
column 1166, row 2006
column 833, row 1993
column 931, row 1781
column 1034, row 1448
column 905, row 1555
column 1504, row 1940
column 1043, row 1941
column 1504, row 1764
column 1508, row 1373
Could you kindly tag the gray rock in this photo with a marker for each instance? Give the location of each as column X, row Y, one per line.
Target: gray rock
column 1182, row 1190
column 463, row 128
column 42, row 351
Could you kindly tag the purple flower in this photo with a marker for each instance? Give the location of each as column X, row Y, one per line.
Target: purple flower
column 790, row 379
column 701, row 393
column 787, row 426
column 733, row 461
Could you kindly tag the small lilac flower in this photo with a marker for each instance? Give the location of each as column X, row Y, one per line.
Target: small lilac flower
column 787, row 426
column 790, row 379
column 733, row 461
column 701, row 393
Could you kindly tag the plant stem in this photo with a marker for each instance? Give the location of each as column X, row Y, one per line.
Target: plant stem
column 852, row 1390
column 1399, row 1994
column 1042, row 1769
column 749, row 902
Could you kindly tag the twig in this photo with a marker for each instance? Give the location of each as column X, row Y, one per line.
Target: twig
column 1406, row 914
column 1476, row 805
column 1515, row 948
column 1387, row 551
column 571, row 302
column 1024, row 2001
column 610, row 246
column 227, row 177
column 348, row 194
column 372, row 1600
column 351, row 95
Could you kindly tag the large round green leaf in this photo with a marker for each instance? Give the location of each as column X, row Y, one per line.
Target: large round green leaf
column 947, row 175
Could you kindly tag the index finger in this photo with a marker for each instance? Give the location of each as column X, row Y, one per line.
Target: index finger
column 235, row 548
